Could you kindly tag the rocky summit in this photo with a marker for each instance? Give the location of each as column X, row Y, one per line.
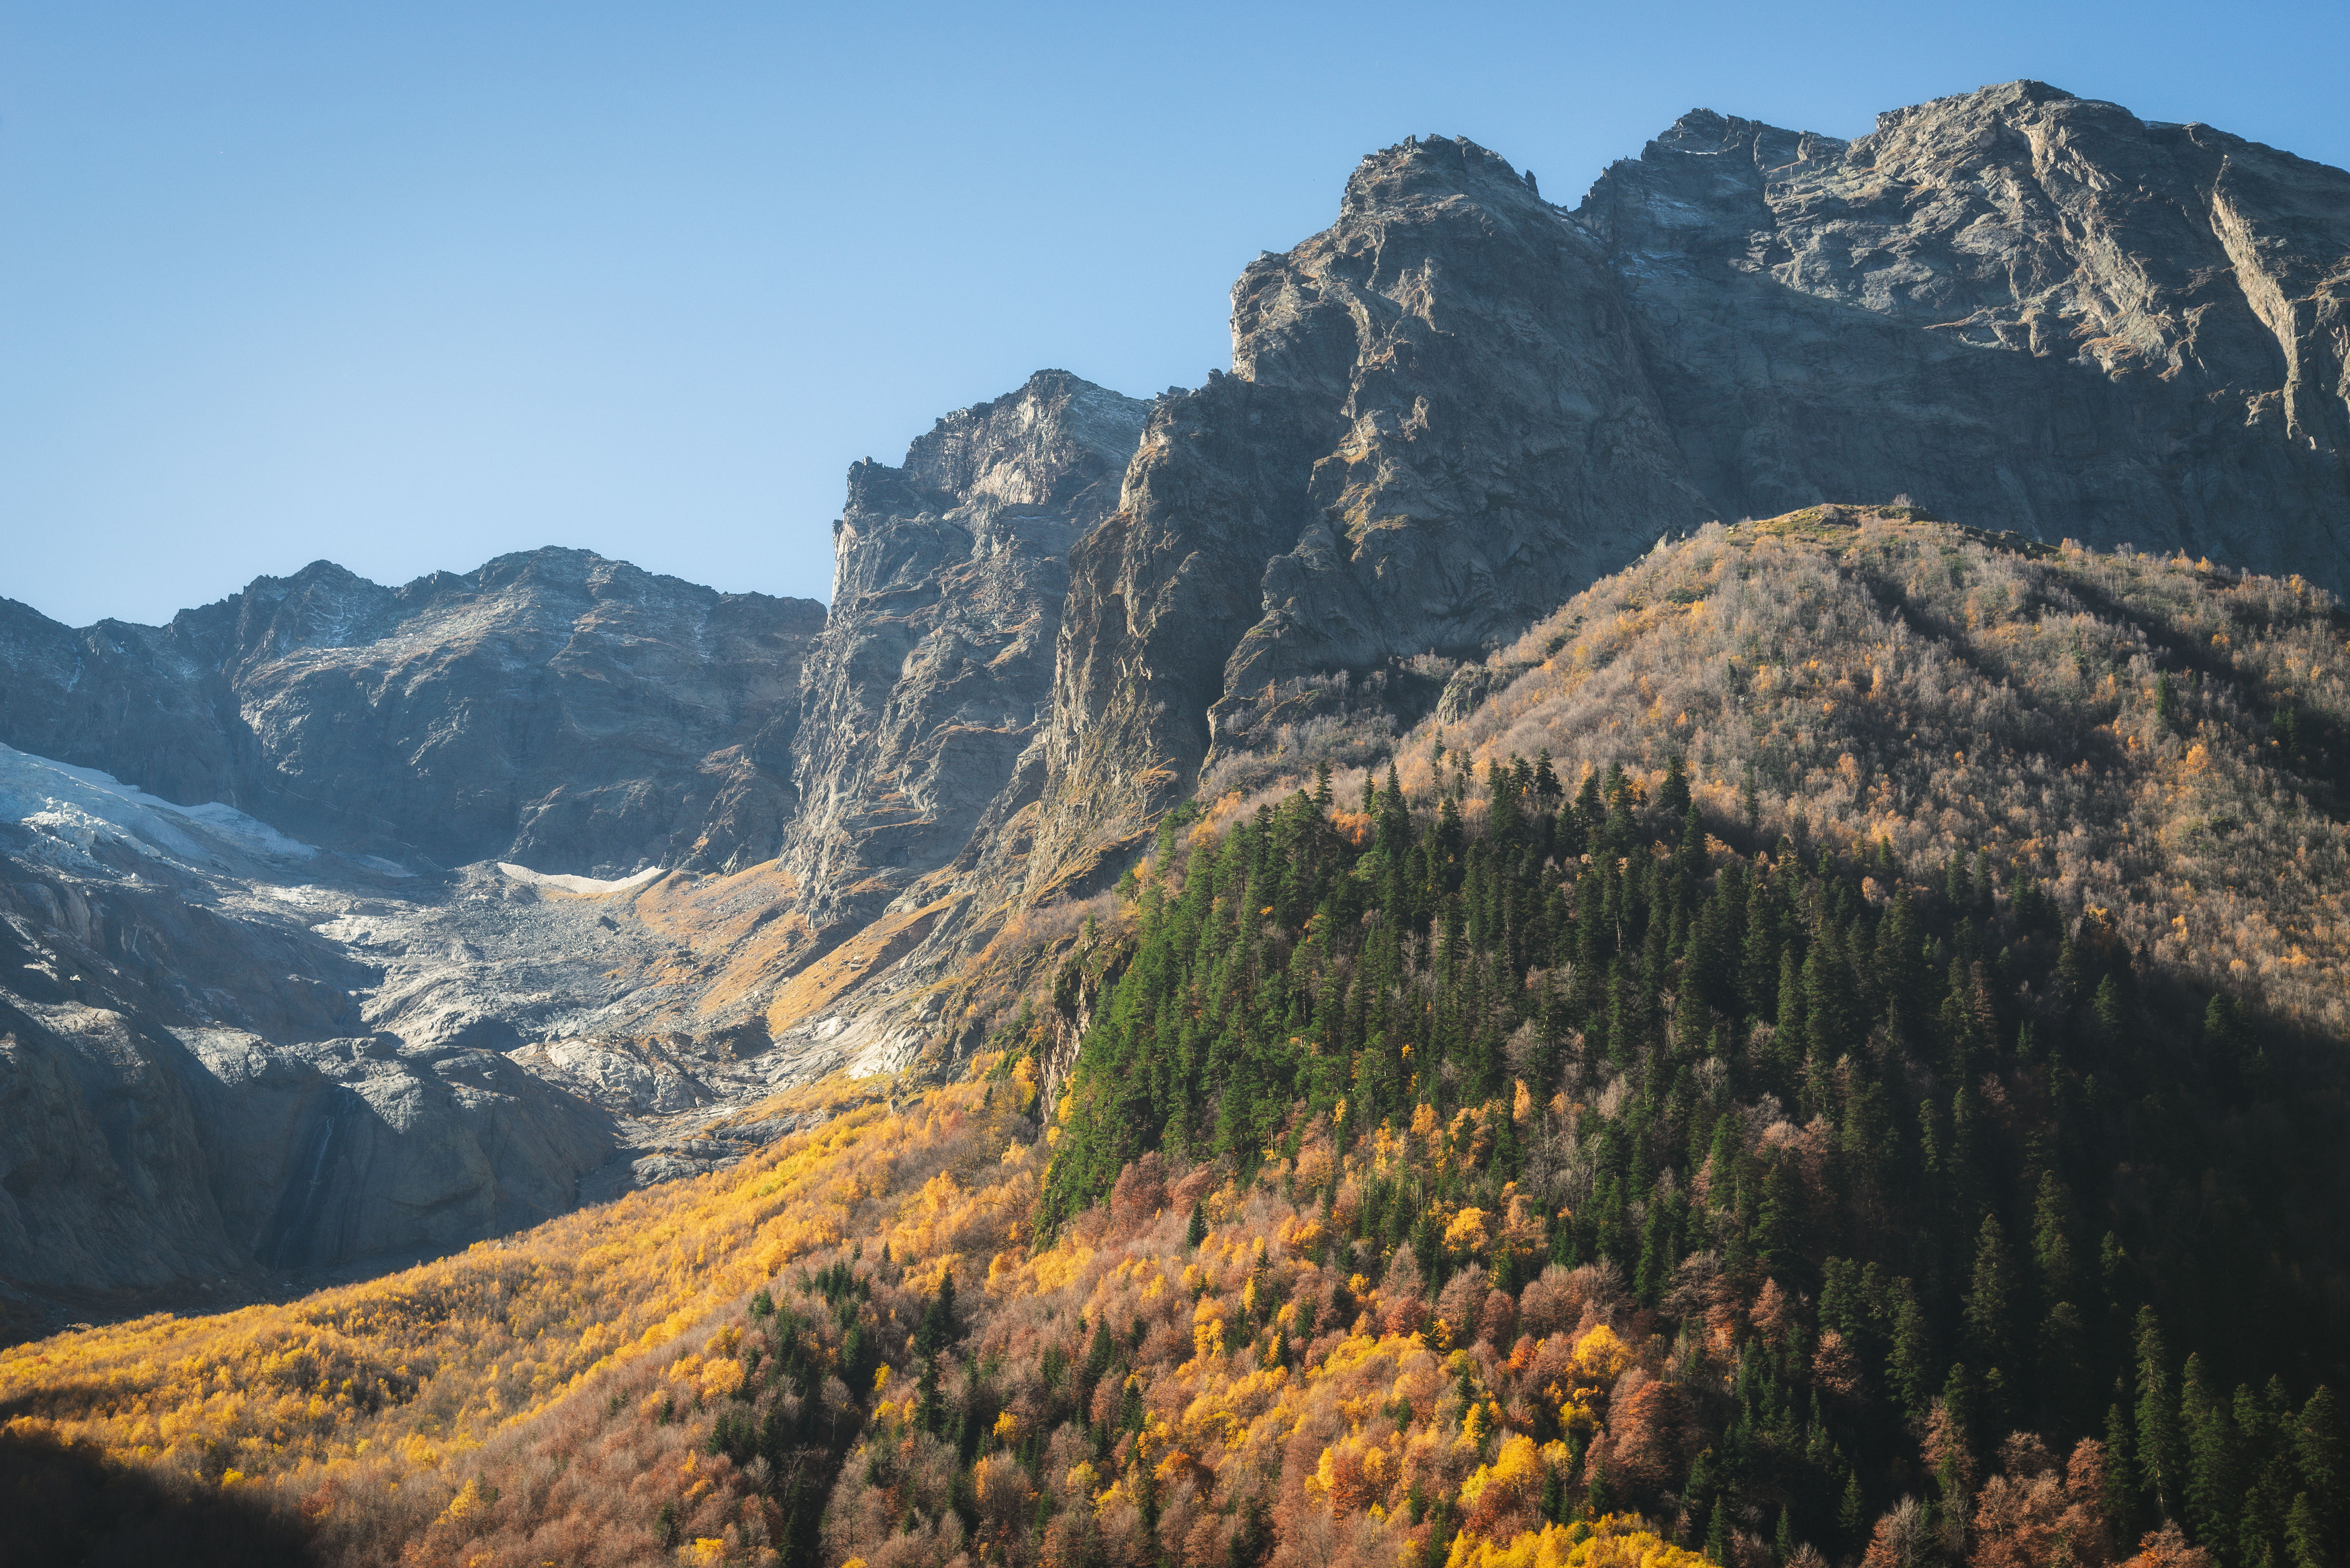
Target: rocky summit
column 1461, row 403
column 350, row 920
column 554, row 708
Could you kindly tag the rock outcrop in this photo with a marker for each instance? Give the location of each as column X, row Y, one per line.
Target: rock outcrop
column 1437, row 426
column 190, row 1089
column 556, row 708
column 2026, row 309
column 1458, row 403
column 936, row 668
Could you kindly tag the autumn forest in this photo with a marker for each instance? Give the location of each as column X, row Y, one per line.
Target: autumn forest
column 1835, row 1056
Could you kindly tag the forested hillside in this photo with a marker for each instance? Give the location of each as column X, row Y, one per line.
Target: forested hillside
column 1896, row 972
column 1838, row 1057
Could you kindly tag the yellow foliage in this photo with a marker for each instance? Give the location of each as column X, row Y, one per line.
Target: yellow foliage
column 1466, row 1234
column 720, row 1378
column 406, row 1373
column 1600, row 1356
column 1618, row 1541
column 1519, row 1465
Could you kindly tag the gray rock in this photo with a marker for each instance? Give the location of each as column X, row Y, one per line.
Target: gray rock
column 556, row 708
column 936, row 668
column 2024, row 309
column 1461, row 404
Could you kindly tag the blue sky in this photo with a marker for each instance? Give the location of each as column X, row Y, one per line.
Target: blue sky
column 406, row 286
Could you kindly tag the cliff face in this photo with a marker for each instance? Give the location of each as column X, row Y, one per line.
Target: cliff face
column 936, row 668
column 2026, row 309
column 1461, row 403
column 567, row 711
column 1437, row 423
column 191, row 1083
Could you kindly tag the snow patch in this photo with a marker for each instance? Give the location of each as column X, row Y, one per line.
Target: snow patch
column 588, row 887
column 82, row 807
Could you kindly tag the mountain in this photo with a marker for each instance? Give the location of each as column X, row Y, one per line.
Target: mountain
column 1835, row 1054
column 554, row 708
column 1461, row 403
column 1354, row 962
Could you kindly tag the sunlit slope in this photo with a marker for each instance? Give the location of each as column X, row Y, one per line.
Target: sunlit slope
column 1837, row 1055
column 366, row 1409
column 2157, row 739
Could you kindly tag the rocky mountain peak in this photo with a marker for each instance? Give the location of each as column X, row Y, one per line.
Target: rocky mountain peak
column 552, row 707
column 1765, row 149
column 948, row 575
column 1422, row 170
column 1029, row 447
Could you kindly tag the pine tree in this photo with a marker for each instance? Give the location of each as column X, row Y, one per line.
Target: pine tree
column 2051, row 1245
column 1831, row 1028
column 1673, row 794
column 1909, row 1367
column 2158, row 1431
column 2122, row 1487
column 2306, row 1536
column 1698, row 1491
column 2108, row 1006
column 2214, row 1485
column 2261, row 1437
column 2323, row 1457
column 1990, row 1301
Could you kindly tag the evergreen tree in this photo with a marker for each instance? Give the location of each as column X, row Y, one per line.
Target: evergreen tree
column 2123, row 1490
column 1989, row 1300
column 1909, row 1368
column 1673, row 794
column 2159, row 1456
column 2323, row 1456
column 2214, row 1487
column 2051, row 1245
column 2108, row 1006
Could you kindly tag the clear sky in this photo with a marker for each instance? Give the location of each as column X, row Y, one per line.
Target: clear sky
column 407, row 285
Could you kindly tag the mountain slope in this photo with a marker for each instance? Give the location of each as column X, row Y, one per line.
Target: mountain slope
column 1461, row 404
column 1521, row 1169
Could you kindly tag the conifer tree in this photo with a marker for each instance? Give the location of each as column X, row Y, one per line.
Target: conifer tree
column 2159, row 1456
column 2214, row 1483
column 2123, row 1488
column 1673, row 794
column 2323, row 1456
column 1989, row 1302
column 1909, row 1368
